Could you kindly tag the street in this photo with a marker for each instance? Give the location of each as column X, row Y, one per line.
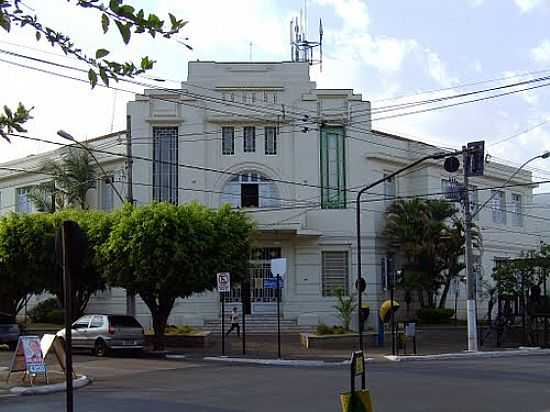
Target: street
column 507, row 384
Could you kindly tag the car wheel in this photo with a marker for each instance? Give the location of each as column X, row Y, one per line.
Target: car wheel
column 100, row 348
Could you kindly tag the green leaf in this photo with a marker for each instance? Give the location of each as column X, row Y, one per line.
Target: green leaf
column 8, row 112
column 38, row 36
column 124, row 30
column 92, row 77
column 5, row 22
column 103, row 75
column 114, row 5
column 101, row 53
column 105, row 23
column 173, row 20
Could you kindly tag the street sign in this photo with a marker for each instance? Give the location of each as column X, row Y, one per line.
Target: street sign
column 224, row 282
column 271, row 283
column 278, row 267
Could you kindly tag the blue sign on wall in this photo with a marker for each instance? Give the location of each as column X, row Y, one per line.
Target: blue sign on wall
column 271, row 283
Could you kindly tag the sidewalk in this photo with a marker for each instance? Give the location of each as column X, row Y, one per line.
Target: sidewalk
column 431, row 340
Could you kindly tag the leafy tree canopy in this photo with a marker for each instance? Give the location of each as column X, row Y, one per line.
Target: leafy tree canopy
column 127, row 19
column 163, row 252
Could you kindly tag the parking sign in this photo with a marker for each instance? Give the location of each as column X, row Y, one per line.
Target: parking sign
column 224, row 282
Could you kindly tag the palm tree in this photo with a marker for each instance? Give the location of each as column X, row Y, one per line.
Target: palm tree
column 420, row 230
column 72, row 177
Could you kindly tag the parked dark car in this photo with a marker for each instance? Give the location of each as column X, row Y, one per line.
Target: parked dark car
column 101, row 333
column 9, row 331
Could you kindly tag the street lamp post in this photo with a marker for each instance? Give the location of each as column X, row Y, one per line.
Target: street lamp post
column 68, row 136
column 361, row 284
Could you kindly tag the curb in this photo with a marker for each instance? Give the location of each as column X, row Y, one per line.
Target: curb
column 471, row 355
column 57, row 387
column 281, row 362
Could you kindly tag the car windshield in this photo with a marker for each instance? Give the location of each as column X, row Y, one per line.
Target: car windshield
column 124, row 321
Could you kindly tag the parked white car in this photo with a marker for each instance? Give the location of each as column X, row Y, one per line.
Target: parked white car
column 102, row 333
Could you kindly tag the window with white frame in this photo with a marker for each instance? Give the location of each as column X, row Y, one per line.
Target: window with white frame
column 270, row 140
column 23, row 203
column 249, row 140
column 335, row 272
column 333, row 168
column 228, row 140
column 250, row 189
column 517, row 212
column 106, row 192
column 499, row 206
column 390, row 188
column 165, row 164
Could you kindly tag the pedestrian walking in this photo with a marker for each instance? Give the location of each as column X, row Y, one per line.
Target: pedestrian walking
column 234, row 322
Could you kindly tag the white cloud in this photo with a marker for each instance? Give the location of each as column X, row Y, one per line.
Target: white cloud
column 438, row 70
column 527, row 5
column 541, row 53
column 353, row 12
column 476, row 3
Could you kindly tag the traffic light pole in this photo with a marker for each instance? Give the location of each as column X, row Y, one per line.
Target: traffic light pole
column 470, row 280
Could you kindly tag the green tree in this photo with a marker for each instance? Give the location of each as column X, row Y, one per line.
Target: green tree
column 126, row 18
column 430, row 238
column 163, row 252
column 97, row 226
column 72, row 177
column 26, row 259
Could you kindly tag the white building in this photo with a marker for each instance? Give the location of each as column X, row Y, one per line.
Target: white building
column 262, row 137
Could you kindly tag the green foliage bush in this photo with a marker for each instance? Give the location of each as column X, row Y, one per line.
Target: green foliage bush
column 47, row 311
column 323, row 329
column 433, row 315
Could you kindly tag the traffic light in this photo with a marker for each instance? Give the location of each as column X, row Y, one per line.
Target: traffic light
column 475, row 160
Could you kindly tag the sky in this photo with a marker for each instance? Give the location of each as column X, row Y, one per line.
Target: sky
column 390, row 51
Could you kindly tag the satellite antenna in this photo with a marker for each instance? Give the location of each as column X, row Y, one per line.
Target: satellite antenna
column 301, row 49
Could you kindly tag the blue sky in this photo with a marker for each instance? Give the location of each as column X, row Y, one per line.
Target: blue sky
column 382, row 49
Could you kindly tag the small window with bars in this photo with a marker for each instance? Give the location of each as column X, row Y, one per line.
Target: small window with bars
column 270, row 140
column 228, row 140
column 499, row 206
column 335, row 272
column 249, row 140
column 517, row 213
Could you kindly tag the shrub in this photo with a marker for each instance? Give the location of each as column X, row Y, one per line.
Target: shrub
column 47, row 311
column 432, row 315
column 323, row 329
column 345, row 305
column 176, row 330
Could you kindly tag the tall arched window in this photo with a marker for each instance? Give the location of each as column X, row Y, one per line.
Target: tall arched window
column 250, row 189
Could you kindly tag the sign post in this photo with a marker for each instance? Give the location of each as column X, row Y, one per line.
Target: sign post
column 278, row 269
column 224, row 285
column 357, row 400
column 28, row 358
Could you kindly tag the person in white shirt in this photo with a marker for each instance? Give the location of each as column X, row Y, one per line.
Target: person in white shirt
column 234, row 322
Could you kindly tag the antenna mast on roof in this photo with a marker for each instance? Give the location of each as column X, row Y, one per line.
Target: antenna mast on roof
column 301, row 49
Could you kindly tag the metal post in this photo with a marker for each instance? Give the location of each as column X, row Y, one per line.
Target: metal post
column 278, row 318
column 393, row 345
column 523, row 308
column 130, row 295
column 244, row 327
column 223, row 322
column 470, row 281
column 66, row 240
column 359, row 277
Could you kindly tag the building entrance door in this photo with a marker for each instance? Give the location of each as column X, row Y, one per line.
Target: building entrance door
column 263, row 300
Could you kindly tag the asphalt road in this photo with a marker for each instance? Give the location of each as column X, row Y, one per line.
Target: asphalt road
column 507, row 384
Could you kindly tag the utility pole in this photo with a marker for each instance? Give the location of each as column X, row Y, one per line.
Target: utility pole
column 130, row 296
column 468, row 256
